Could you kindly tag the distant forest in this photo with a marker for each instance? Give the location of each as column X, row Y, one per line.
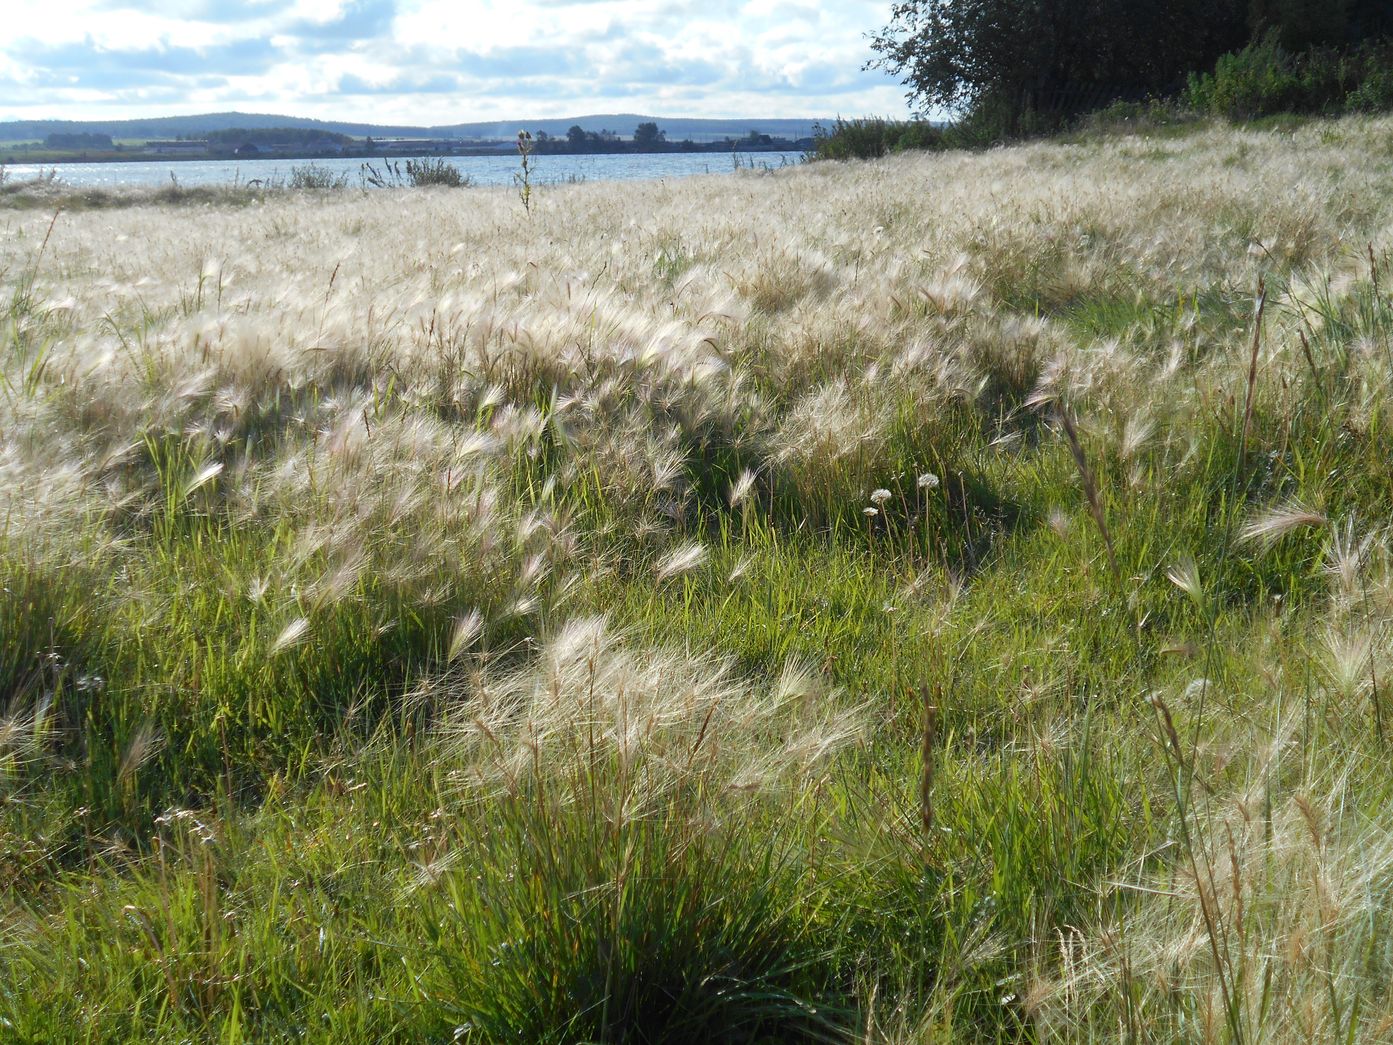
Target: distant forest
column 648, row 136
column 308, row 136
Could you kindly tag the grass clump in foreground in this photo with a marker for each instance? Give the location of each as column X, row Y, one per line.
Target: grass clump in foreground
column 960, row 617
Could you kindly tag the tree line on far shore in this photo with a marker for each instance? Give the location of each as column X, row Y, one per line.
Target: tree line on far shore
column 649, row 137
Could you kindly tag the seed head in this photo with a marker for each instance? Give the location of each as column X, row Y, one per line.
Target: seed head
column 1185, row 575
column 1269, row 527
column 742, row 488
column 293, row 634
column 682, row 560
column 466, row 632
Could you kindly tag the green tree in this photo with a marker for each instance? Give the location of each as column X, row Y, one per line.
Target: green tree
column 1012, row 65
column 1370, row 19
column 1300, row 24
column 647, row 134
column 576, row 134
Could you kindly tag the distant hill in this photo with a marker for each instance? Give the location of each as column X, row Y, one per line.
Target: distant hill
column 622, row 124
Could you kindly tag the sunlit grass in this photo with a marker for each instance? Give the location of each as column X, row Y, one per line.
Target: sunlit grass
column 908, row 602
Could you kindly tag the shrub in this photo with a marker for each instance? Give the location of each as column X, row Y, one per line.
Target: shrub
column 1134, row 116
column 1375, row 93
column 436, row 172
column 316, row 176
column 42, row 181
column 1255, row 81
column 871, row 137
column 1265, row 79
column 415, row 173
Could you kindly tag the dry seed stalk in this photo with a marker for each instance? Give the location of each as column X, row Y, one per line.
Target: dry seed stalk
column 1204, row 885
column 1253, row 365
column 1090, row 488
column 926, row 772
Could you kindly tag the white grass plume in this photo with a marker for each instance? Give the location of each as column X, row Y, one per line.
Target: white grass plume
column 1185, row 575
column 742, row 488
column 466, row 632
column 292, row 635
column 682, row 559
column 1268, row 527
column 660, row 717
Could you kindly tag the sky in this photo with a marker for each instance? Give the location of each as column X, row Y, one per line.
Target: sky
column 442, row 61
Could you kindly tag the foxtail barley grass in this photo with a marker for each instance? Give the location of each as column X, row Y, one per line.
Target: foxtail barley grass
column 1251, row 390
column 1090, row 489
column 682, row 621
column 926, row 768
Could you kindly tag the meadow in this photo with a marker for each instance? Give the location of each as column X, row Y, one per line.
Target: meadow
column 939, row 599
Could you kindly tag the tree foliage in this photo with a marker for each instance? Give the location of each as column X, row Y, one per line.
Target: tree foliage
column 1006, row 59
column 649, row 134
column 78, row 140
column 1018, row 65
column 1302, row 24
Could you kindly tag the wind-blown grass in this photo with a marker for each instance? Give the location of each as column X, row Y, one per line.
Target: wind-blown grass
column 422, row 622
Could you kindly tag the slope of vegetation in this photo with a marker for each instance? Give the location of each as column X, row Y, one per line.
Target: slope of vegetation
column 942, row 599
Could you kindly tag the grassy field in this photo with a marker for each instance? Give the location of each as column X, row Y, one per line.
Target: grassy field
column 37, row 152
column 943, row 599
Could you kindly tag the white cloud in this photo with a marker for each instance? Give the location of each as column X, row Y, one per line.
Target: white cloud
column 438, row 61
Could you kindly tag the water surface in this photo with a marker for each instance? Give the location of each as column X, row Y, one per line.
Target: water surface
column 482, row 170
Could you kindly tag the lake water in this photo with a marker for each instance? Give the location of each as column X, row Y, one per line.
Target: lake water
column 483, row 170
